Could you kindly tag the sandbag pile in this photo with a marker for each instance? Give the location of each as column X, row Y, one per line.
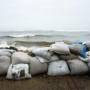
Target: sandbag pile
column 57, row 59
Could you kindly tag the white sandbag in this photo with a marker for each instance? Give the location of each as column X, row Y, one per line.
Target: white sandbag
column 4, row 53
column 37, row 66
column 58, row 68
column 42, row 52
column 60, row 48
column 18, row 71
column 77, row 67
column 20, row 57
column 4, row 64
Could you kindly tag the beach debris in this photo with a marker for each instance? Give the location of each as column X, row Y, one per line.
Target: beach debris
column 20, row 57
column 58, row 68
column 4, row 64
column 60, row 48
column 77, row 67
column 18, row 71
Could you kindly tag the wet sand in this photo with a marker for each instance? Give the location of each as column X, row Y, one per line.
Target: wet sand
column 44, row 82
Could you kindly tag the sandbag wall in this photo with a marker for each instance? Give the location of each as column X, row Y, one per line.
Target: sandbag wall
column 57, row 59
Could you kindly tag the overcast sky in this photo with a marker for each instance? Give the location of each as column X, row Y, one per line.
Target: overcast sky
column 44, row 14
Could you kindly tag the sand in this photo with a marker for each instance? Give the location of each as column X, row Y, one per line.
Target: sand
column 44, row 82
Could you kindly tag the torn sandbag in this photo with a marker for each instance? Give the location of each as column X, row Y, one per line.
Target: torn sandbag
column 18, row 71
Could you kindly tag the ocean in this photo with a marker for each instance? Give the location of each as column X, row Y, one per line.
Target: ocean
column 27, row 38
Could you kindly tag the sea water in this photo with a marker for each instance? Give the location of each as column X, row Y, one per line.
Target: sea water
column 27, row 37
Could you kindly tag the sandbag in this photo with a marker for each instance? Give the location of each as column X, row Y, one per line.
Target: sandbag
column 38, row 66
column 18, row 71
column 58, row 68
column 78, row 49
column 77, row 67
column 54, row 58
column 4, row 64
column 60, row 48
column 42, row 52
column 4, row 53
column 68, row 57
column 89, row 66
column 20, row 57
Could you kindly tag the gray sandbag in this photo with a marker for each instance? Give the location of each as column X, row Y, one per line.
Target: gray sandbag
column 4, row 64
column 42, row 52
column 60, row 48
column 20, row 57
column 77, row 67
column 37, row 66
column 68, row 57
column 4, row 52
column 75, row 48
column 58, row 68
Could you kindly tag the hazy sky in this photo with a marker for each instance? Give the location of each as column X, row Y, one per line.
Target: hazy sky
column 44, row 14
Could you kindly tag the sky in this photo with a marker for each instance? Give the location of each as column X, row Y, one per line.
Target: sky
column 44, row 15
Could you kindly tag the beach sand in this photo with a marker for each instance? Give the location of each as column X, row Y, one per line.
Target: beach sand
column 44, row 82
